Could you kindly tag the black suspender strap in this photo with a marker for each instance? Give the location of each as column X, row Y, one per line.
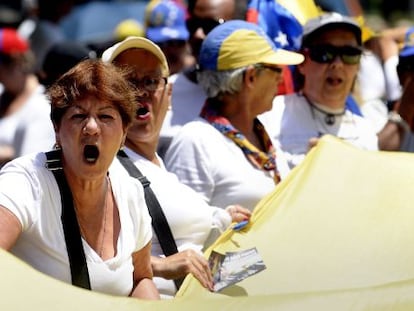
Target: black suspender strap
column 159, row 221
column 77, row 260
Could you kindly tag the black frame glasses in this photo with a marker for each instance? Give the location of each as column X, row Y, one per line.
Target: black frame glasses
column 327, row 53
column 207, row 24
column 150, row 84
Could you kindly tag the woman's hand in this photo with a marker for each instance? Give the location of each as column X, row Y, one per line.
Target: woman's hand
column 313, row 141
column 238, row 213
column 182, row 263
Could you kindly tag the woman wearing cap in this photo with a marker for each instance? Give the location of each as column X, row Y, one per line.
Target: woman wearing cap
column 24, row 110
column 63, row 211
column 331, row 44
column 226, row 154
column 193, row 223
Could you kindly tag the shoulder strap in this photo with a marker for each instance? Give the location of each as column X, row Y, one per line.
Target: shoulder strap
column 159, row 221
column 77, row 260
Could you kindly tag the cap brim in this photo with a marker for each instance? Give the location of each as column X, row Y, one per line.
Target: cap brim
column 283, row 57
column 135, row 42
column 407, row 52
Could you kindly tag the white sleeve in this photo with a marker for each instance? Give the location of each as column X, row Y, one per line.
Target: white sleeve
column 392, row 82
column 19, row 193
column 188, row 158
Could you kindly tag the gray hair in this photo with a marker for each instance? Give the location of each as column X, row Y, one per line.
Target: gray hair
column 216, row 83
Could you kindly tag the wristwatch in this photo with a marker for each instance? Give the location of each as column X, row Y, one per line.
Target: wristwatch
column 396, row 118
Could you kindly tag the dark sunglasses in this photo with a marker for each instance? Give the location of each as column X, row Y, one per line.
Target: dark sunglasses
column 326, row 54
column 207, row 24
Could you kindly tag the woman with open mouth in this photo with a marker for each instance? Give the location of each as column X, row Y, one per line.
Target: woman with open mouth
column 193, row 223
column 63, row 211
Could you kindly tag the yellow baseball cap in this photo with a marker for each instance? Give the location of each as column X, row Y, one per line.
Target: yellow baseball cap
column 134, row 42
column 237, row 43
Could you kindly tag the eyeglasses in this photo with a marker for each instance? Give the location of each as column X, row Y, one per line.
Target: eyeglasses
column 207, row 24
column 326, row 54
column 150, row 84
column 272, row 68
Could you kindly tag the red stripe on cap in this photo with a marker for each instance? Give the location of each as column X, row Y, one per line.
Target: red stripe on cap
column 11, row 42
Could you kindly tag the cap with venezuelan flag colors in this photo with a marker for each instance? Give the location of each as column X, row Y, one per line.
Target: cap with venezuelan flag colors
column 408, row 47
column 165, row 21
column 236, row 43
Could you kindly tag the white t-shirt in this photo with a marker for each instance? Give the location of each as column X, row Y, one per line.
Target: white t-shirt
column 292, row 122
column 31, row 193
column 374, row 93
column 190, row 218
column 186, row 102
column 217, row 168
column 29, row 129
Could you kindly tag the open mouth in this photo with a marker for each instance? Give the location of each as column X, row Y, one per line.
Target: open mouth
column 91, row 153
column 142, row 112
column 334, row 81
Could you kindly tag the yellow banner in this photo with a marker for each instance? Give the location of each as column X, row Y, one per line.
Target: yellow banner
column 337, row 234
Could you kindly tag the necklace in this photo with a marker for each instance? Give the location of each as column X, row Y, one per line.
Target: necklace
column 105, row 206
column 107, row 193
column 345, row 129
column 330, row 117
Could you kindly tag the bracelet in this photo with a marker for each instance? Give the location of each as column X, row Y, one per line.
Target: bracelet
column 396, row 118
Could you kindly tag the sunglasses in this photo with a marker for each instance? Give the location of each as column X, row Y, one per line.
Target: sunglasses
column 207, row 24
column 326, row 54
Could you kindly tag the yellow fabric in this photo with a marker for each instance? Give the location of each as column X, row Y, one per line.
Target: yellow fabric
column 301, row 9
column 366, row 31
column 343, row 220
column 337, row 234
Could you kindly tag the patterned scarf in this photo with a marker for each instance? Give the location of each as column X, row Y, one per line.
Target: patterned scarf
column 261, row 160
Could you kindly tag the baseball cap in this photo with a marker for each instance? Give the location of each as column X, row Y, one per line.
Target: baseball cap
column 139, row 43
column 165, row 21
column 11, row 42
column 327, row 21
column 128, row 27
column 236, row 43
column 408, row 47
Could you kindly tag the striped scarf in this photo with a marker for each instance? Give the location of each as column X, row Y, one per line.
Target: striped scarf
column 261, row 160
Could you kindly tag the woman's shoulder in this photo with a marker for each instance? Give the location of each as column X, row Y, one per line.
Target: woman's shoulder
column 197, row 135
column 199, row 125
column 31, row 162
